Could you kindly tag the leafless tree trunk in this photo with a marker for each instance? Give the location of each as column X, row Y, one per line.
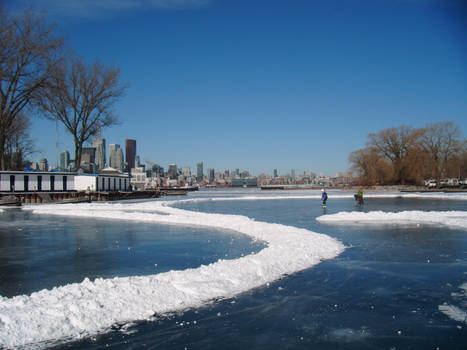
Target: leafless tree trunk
column 28, row 53
column 81, row 97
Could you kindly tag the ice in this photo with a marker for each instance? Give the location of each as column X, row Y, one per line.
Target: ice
column 453, row 219
column 457, row 313
column 83, row 309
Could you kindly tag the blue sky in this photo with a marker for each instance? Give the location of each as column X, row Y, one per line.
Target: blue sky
column 259, row 85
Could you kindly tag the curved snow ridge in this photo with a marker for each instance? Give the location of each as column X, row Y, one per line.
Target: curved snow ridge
column 455, row 219
column 81, row 309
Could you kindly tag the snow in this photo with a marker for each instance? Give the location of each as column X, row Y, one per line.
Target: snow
column 454, row 219
column 82, row 309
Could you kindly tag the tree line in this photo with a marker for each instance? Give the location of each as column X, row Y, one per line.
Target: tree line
column 39, row 75
column 407, row 156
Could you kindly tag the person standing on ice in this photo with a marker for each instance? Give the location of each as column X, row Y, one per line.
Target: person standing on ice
column 324, row 197
column 359, row 197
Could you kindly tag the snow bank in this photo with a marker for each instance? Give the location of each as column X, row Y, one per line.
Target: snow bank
column 454, row 219
column 81, row 309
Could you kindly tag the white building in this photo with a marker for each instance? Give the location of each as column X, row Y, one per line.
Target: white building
column 34, row 181
column 31, row 181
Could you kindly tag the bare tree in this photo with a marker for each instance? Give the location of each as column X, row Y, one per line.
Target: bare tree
column 18, row 143
column 81, row 96
column 441, row 141
column 28, row 52
column 372, row 168
column 396, row 144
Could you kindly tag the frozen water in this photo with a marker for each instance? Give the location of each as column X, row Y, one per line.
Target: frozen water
column 89, row 307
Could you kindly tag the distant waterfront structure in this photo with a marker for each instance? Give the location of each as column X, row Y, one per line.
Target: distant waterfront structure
column 99, row 145
column 115, row 156
column 64, row 160
column 275, row 174
column 130, row 153
column 199, row 172
column 292, row 174
column 186, row 171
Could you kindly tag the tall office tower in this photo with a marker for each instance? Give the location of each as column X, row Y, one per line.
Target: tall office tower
column 211, row 174
column 293, row 174
column 199, row 172
column 115, row 156
column 99, row 145
column 275, row 174
column 88, row 155
column 237, row 172
column 186, row 171
column 130, row 153
column 137, row 162
column 64, row 160
column 44, row 165
column 172, row 172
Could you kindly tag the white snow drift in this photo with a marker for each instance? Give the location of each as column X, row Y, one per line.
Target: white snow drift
column 454, row 219
column 82, row 309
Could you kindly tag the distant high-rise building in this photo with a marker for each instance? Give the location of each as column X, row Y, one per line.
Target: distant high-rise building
column 130, row 152
column 99, row 145
column 275, row 174
column 137, row 162
column 211, row 174
column 44, row 165
column 88, row 155
column 116, row 157
column 186, row 171
column 293, row 174
column 64, row 160
column 172, row 172
column 199, row 172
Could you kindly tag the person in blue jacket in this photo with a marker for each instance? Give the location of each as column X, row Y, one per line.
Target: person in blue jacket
column 324, row 197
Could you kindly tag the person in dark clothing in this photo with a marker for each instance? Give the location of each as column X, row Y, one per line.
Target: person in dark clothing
column 324, row 197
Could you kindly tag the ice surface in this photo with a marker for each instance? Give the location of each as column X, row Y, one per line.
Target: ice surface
column 457, row 313
column 454, row 219
column 82, row 309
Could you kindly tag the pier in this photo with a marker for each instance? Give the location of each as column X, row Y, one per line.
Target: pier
column 81, row 196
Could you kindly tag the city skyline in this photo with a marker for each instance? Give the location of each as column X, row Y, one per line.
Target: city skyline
column 265, row 85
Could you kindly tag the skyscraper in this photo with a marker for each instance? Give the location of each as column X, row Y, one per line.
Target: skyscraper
column 88, row 155
column 115, row 156
column 172, row 172
column 211, row 174
column 199, row 172
column 99, row 145
column 130, row 153
column 64, row 160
